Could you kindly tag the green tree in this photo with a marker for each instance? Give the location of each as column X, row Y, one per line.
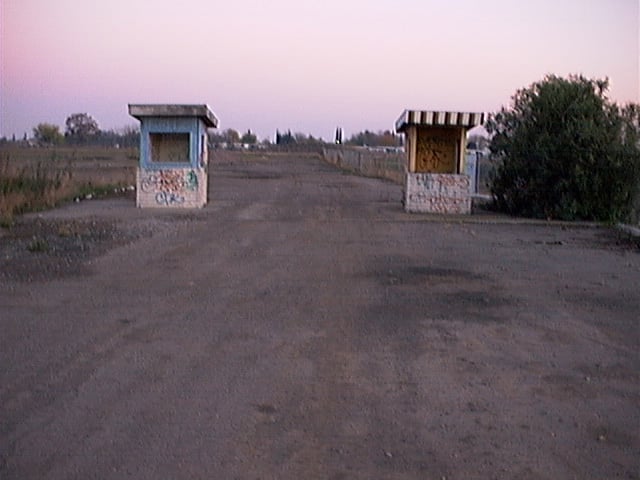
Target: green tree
column 285, row 138
column 227, row 137
column 306, row 139
column 375, row 139
column 564, row 151
column 249, row 138
column 47, row 134
column 231, row 136
column 81, row 128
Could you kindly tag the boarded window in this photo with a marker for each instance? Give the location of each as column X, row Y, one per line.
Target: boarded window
column 169, row 147
column 437, row 150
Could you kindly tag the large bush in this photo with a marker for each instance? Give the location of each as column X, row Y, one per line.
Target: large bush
column 564, row 151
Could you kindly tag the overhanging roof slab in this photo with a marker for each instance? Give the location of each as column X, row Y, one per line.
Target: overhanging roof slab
column 202, row 112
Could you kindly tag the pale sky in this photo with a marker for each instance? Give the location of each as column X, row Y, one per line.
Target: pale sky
column 304, row 65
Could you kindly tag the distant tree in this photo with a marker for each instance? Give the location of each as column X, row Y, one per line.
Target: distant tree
column 304, row 139
column 388, row 139
column 127, row 137
column 285, row 138
column 81, row 128
column 228, row 137
column 249, row 138
column 215, row 138
column 47, row 134
column 375, row 139
column 564, row 151
column 314, row 141
column 231, row 136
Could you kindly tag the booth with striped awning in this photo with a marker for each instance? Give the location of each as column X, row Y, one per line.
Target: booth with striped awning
column 435, row 143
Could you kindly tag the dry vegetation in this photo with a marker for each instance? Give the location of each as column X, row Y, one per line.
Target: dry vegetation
column 33, row 179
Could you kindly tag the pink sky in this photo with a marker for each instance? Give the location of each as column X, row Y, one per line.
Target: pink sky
column 304, row 65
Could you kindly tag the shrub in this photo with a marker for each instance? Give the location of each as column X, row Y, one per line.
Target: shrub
column 564, row 151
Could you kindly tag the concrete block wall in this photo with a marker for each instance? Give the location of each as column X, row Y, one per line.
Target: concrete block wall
column 171, row 188
column 437, row 193
column 369, row 163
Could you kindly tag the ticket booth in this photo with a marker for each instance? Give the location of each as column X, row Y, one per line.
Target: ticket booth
column 173, row 155
column 435, row 143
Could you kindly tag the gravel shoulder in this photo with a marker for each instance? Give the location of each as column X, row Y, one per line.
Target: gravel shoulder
column 303, row 326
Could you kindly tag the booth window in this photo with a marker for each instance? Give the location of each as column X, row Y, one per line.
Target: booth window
column 169, row 147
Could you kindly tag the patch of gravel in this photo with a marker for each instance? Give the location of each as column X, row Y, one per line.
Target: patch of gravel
column 35, row 249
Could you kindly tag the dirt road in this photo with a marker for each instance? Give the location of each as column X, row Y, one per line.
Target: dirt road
column 302, row 326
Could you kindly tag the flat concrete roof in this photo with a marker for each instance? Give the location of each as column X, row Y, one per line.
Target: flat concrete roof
column 171, row 110
column 438, row 119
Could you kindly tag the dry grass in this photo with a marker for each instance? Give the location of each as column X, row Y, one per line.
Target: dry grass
column 33, row 179
column 30, row 188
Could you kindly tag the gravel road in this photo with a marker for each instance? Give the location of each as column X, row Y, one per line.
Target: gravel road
column 303, row 326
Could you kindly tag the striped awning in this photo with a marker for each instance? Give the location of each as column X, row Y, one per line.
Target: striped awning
column 438, row 119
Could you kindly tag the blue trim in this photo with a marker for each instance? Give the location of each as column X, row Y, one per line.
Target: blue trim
column 193, row 126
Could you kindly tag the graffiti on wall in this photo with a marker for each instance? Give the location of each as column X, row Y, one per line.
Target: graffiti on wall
column 169, row 186
column 436, row 150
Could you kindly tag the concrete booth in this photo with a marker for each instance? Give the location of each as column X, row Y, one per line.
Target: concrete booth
column 173, row 155
column 435, row 143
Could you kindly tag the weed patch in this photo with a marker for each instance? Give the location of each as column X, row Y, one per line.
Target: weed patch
column 39, row 179
column 38, row 245
column 30, row 188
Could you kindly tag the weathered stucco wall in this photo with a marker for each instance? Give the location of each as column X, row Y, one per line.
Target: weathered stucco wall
column 437, row 193
column 171, row 188
column 369, row 163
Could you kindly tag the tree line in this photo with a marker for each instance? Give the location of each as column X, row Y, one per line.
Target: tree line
column 83, row 129
column 366, row 138
column 80, row 129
